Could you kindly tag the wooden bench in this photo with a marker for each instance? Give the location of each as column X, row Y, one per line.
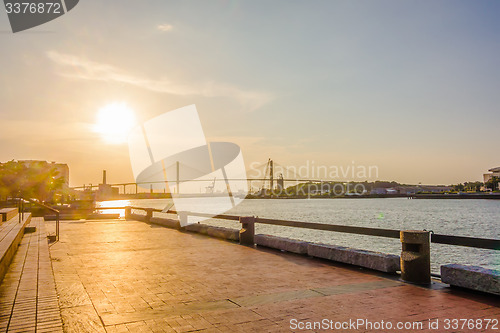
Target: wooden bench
column 28, row 296
column 11, row 233
column 7, row 214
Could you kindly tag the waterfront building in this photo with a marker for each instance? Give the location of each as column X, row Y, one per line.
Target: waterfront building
column 378, row 190
column 494, row 172
column 411, row 189
column 106, row 191
column 436, row 188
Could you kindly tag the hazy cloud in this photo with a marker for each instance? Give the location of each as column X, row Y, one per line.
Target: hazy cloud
column 165, row 27
column 80, row 68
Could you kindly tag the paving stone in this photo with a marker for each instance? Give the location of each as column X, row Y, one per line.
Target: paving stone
column 130, row 276
column 81, row 319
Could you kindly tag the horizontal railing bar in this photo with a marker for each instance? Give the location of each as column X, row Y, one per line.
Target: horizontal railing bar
column 222, row 217
column 40, row 204
column 104, row 208
column 332, row 227
column 308, row 225
column 482, row 243
column 152, row 209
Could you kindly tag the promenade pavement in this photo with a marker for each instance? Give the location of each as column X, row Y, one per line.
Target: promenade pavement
column 129, row 276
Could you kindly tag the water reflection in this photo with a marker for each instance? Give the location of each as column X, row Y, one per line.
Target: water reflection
column 115, row 203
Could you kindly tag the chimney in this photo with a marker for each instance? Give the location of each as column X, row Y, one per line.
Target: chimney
column 104, row 177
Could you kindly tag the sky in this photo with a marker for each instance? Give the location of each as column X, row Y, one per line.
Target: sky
column 411, row 87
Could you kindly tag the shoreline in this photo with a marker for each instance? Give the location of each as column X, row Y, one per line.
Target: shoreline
column 376, row 196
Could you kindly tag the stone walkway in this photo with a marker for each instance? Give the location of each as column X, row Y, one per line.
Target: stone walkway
column 128, row 276
column 28, row 300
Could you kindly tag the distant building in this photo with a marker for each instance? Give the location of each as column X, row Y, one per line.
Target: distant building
column 392, row 191
column 408, row 190
column 382, row 190
column 378, row 190
column 495, row 172
column 106, row 191
column 436, row 189
column 320, row 191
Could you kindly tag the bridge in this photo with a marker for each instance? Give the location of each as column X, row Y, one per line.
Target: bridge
column 271, row 180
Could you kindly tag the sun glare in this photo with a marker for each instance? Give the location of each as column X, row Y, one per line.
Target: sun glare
column 114, row 122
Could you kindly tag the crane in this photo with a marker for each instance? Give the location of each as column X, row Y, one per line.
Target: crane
column 210, row 188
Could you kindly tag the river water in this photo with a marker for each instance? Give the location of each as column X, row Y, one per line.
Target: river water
column 471, row 217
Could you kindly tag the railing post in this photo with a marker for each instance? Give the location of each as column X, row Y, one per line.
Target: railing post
column 247, row 231
column 149, row 214
column 128, row 213
column 183, row 219
column 57, row 226
column 415, row 256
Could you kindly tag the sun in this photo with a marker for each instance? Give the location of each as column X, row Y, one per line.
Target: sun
column 114, row 122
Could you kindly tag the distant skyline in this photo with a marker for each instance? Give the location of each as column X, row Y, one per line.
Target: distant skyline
column 411, row 87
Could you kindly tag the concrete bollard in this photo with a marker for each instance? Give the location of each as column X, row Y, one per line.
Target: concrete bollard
column 149, row 214
column 128, row 213
column 247, row 231
column 415, row 256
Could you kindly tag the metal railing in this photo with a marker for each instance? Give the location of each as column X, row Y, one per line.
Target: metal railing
column 481, row 243
column 415, row 244
column 22, row 201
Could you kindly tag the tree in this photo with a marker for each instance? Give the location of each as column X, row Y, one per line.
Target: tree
column 36, row 180
column 469, row 186
column 492, row 184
